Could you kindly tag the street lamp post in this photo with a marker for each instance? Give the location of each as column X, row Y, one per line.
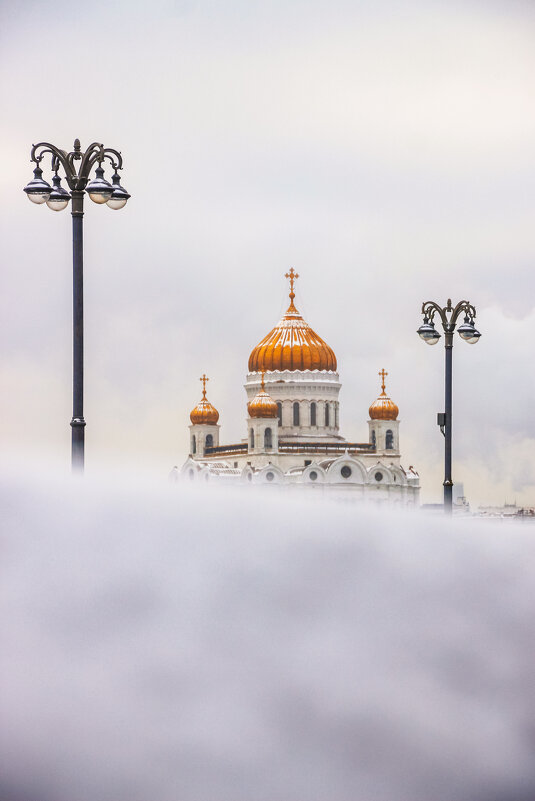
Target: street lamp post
column 57, row 198
column 448, row 316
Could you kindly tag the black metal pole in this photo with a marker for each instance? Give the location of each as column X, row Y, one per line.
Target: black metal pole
column 78, row 422
column 448, row 483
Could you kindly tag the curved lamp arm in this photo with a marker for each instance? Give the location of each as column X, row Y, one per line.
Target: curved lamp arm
column 76, row 178
column 449, row 314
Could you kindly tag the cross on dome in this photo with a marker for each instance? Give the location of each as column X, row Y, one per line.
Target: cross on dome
column 263, row 404
column 204, row 413
column 383, row 408
column 383, row 374
column 292, row 344
column 293, row 276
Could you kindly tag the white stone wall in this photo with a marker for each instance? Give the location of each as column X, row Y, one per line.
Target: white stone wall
column 259, row 426
column 381, row 429
column 197, row 438
column 348, row 477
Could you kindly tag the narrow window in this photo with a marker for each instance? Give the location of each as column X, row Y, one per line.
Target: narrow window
column 194, row 444
column 267, row 439
column 312, row 414
column 389, row 440
column 296, row 414
column 252, row 439
column 279, row 407
column 374, row 439
column 336, row 414
column 209, row 441
column 327, row 414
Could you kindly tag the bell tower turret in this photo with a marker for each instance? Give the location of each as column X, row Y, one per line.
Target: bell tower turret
column 204, row 429
column 383, row 423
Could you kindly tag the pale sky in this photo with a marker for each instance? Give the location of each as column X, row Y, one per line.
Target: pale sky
column 383, row 149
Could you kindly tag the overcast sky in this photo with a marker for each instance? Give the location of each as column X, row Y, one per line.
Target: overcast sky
column 383, row 149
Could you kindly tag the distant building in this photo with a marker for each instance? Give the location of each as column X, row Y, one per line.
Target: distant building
column 509, row 511
column 293, row 436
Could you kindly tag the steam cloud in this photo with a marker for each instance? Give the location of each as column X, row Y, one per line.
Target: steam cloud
column 172, row 644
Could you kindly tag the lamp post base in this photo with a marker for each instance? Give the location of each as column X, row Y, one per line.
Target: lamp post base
column 78, row 436
column 448, row 496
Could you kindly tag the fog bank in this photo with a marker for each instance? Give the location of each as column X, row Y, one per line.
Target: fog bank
column 189, row 644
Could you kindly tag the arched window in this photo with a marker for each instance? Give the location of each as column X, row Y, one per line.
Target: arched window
column 296, row 414
column 279, row 407
column 374, row 439
column 267, row 439
column 312, row 414
column 389, row 440
column 327, row 414
column 209, row 441
column 252, row 438
column 194, row 444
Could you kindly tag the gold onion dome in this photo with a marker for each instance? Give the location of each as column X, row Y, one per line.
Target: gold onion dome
column 262, row 405
column 292, row 344
column 204, row 413
column 383, row 408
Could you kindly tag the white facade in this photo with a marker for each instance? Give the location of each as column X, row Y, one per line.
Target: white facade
column 201, row 437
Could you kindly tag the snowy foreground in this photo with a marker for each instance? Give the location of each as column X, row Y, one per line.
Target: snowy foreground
column 169, row 644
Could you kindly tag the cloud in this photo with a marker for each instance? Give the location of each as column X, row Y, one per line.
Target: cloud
column 159, row 642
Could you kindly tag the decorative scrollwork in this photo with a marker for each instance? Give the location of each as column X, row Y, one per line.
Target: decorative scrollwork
column 449, row 314
column 76, row 176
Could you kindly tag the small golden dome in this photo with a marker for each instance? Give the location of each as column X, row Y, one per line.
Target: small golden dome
column 204, row 413
column 292, row 344
column 383, row 408
column 263, row 405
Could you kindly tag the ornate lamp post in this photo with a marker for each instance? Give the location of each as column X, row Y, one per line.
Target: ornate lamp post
column 57, row 198
column 448, row 316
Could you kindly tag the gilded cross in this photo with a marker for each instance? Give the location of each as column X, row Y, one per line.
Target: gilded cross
column 293, row 276
column 383, row 374
column 204, row 380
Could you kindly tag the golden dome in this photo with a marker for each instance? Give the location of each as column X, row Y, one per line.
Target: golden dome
column 292, row 344
column 204, row 413
column 262, row 405
column 383, row 408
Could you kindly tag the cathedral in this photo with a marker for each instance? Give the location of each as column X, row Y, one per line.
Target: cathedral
column 293, row 436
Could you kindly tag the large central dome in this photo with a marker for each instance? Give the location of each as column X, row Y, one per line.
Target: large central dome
column 292, row 344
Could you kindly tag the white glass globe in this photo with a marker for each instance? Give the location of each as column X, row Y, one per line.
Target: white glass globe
column 117, row 202
column 38, row 197
column 57, row 203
